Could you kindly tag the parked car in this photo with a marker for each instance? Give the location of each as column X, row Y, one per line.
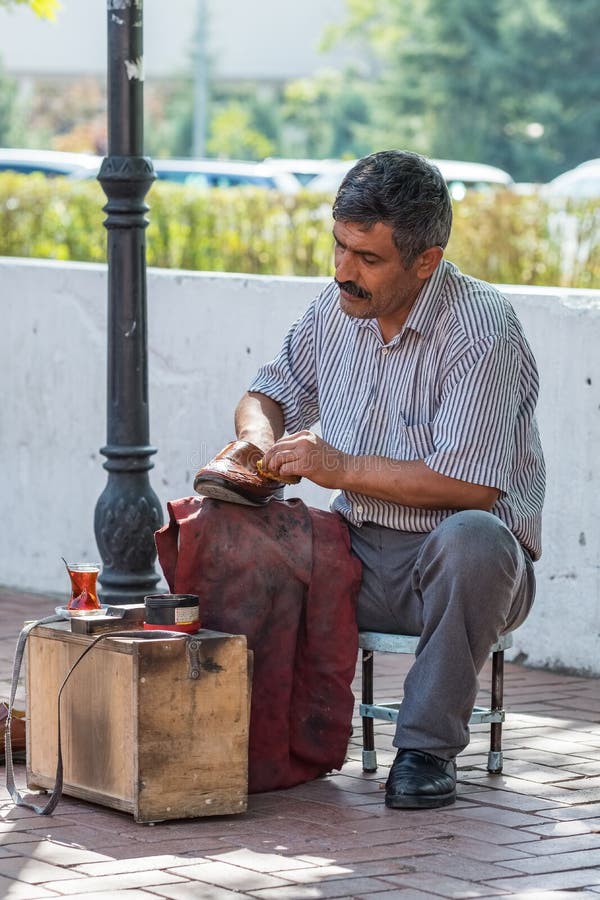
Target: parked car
column 51, row 163
column 575, row 233
column 580, row 183
column 304, row 170
column 207, row 173
column 460, row 177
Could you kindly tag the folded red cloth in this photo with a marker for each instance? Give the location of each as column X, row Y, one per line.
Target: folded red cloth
column 284, row 576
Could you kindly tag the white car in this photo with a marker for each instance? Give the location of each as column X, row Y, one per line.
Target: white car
column 460, row 177
column 206, row 173
column 580, row 183
column 305, row 170
column 51, row 163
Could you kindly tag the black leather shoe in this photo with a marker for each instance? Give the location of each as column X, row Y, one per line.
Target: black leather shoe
column 420, row 780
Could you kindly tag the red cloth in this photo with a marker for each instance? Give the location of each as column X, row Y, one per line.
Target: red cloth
column 284, row 576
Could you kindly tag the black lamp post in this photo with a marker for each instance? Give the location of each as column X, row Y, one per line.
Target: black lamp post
column 128, row 511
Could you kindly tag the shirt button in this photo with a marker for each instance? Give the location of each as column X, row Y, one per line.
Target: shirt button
column 360, row 510
column 385, row 351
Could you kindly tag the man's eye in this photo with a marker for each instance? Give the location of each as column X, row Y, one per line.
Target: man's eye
column 370, row 260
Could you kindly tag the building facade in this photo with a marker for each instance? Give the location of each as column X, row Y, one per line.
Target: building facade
column 269, row 41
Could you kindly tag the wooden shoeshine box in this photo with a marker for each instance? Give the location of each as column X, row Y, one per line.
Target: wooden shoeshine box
column 140, row 733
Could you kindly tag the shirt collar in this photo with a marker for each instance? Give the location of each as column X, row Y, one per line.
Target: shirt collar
column 425, row 308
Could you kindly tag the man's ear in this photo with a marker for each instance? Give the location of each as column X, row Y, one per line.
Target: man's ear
column 428, row 261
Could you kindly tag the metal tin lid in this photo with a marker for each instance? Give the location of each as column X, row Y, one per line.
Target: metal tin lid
column 170, row 601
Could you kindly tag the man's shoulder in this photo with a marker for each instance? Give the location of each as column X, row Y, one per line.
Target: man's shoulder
column 477, row 307
column 327, row 300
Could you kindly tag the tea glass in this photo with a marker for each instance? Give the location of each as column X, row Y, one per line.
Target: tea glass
column 84, row 593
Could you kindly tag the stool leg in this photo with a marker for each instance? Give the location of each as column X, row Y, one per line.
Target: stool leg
column 369, row 754
column 495, row 754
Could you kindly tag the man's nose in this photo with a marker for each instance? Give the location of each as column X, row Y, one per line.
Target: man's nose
column 345, row 269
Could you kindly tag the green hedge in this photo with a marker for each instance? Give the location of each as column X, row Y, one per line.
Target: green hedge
column 505, row 238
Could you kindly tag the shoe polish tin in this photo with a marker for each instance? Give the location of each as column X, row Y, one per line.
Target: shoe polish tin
column 172, row 612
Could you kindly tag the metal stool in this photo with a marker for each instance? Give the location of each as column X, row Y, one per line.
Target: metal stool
column 371, row 641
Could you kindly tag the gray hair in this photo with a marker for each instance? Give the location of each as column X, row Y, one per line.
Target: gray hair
column 403, row 190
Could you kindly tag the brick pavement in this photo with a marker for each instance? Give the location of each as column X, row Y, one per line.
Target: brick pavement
column 531, row 833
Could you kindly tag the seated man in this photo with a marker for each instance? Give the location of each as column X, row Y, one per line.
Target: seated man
column 425, row 388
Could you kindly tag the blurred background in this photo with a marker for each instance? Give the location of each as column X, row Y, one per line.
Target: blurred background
column 294, row 93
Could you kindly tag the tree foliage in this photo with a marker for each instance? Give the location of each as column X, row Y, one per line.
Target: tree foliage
column 502, row 237
column 8, row 109
column 515, row 85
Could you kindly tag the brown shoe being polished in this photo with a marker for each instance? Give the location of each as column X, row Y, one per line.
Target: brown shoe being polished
column 420, row 780
column 234, row 476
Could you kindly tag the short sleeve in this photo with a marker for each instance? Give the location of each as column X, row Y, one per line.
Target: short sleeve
column 290, row 379
column 473, row 432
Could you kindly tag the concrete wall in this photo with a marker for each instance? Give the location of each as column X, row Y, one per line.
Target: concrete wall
column 207, row 335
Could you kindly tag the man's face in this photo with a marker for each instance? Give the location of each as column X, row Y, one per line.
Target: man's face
column 372, row 280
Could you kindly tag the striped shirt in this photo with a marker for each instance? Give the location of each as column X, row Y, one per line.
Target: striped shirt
column 457, row 388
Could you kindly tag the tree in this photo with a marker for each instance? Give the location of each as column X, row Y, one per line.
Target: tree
column 554, row 64
column 509, row 84
column 233, row 135
column 325, row 116
column 8, row 109
column 45, row 9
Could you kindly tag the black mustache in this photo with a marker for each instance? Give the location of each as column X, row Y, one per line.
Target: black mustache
column 349, row 287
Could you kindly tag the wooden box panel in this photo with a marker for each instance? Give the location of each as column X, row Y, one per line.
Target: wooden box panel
column 138, row 734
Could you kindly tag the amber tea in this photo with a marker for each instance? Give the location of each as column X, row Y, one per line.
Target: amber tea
column 83, row 586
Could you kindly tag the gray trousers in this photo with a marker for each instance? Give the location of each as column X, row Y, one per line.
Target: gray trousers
column 459, row 587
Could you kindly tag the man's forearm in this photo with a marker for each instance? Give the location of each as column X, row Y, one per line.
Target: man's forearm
column 409, row 482
column 413, row 483
column 259, row 419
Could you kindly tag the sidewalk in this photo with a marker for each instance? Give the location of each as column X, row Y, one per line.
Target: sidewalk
column 533, row 832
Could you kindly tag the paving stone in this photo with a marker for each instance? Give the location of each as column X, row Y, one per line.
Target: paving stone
column 404, row 894
column 193, row 891
column 344, row 888
column 84, row 837
column 110, row 895
column 444, row 886
column 55, row 853
column 107, row 883
column 575, row 878
column 533, row 832
column 17, row 837
column 558, row 862
column 262, row 862
column 491, row 833
column 33, row 871
column 137, row 864
column 231, row 876
column 458, row 866
column 378, row 869
column 564, row 813
column 512, row 800
column 556, row 895
column 473, row 849
column 563, row 844
column 529, row 772
column 17, row 890
column 507, row 817
column 571, row 826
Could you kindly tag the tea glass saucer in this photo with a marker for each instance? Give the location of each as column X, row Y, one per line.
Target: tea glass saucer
column 66, row 613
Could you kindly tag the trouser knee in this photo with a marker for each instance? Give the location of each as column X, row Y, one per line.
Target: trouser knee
column 473, row 543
